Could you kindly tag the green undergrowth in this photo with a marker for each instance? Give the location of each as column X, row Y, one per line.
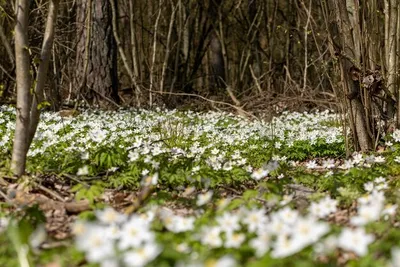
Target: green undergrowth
column 217, row 170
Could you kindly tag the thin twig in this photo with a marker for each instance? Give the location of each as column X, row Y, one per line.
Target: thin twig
column 239, row 109
column 50, row 192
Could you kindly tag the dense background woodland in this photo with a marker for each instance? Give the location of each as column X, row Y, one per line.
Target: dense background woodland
column 216, row 132
column 250, row 54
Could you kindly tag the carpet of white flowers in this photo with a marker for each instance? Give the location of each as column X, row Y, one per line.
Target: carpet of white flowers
column 350, row 211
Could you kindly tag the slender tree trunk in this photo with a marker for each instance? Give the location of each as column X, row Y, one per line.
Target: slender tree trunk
column 22, row 62
column 216, row 54
column 391, row 56
column 45, row 55
column 28, row 109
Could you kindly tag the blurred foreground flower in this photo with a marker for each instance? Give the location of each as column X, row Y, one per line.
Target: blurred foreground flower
column 355, row 240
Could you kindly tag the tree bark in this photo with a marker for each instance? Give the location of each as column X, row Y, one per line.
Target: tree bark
column 45, row 55
column 216, row 54
column 97, row 79
column 348, row 23
column 391, row 48
column 28, row 109
column 22, row 62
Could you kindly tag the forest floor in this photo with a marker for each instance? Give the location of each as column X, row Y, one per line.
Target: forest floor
column 172, row 188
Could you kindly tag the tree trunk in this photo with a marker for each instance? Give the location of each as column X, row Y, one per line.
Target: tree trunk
column 96, row 54
column 22, row 62
column 216, row 55
column 28, row 105
column 45, row 55
column 391, row 56
column 348, row 22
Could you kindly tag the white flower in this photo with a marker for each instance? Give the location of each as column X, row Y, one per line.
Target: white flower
column 389, row 209
column 326, row 246
column 183, row 248
column 4, row 223
column 348, row 164
column 329, row 173
column 382, row 186
column 228, row 222
column 379, row 180
column 134, row 233
column 396, row 135
column 223, row 203
column 211, row 237
column 308, row 230
column 369, row 186
column 85, row 155
column 255, row 219
column 178, row 224
column 225, row 261
column 195, row 169
column 227, row 166
column 357, row 158
column 97, row 247
column 234, row 240
column 388, row 143
column 277, row 225
column 98, row 135
column 145, row 172
column 215, row 151
column 367, row 213
column 83, row 171
column 397, row 159
column 249, row 168
column 312, row 164
column 110, row 216
column 113, row 169
column 278, row 145
column 323, row 208
column 379, row 159
column 203, row 199
column 143, row 255
column 259, row 174
column 328, row 164
column 112, row 232
column 287, row 215
column 285, row 246
column 355, row 240
column 133, row 155
column 261, row 244
column 109, row 263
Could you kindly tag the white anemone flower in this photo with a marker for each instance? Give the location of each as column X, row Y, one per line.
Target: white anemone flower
column 97, row 247
column 261, row 244
column 285, row 246
column 203, row 199
column 259, row 174
column 142, row 255
column 110, row 216
column 355, row 240
column 135, row 233
column 228, row 222
column 234, row 240
column 211, row 236
column 83, row 171
column 255, row 219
